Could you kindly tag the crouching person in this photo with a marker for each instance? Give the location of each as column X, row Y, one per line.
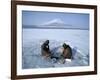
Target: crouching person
column 66, row 54
column 45, row 51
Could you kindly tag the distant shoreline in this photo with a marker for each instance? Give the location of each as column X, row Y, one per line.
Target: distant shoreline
column 37, row 27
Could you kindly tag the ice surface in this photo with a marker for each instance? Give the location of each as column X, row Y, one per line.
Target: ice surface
column 34, row 38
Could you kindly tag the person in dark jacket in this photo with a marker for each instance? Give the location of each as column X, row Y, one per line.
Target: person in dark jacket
column 67, row 51
column 66, row 54
column 45, row 51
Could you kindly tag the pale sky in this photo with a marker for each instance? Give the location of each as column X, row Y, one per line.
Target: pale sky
column 37, row 18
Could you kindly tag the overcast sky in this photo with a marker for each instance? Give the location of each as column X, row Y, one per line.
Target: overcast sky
column 37, row 18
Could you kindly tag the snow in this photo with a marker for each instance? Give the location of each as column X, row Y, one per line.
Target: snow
column 53, row 21
column 34, row 38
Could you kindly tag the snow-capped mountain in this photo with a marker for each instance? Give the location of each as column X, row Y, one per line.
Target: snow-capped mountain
column 55, row 23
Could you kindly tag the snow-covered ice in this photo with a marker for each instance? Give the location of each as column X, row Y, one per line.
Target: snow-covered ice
column 34, row 38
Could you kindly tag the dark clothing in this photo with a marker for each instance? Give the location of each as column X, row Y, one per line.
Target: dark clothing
column 67, row 52
column 45, row 49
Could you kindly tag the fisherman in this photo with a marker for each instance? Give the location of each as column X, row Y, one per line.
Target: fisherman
column 66, row 54
column 45, row 49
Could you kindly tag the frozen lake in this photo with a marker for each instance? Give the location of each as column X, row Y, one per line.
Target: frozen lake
column 33, row 38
